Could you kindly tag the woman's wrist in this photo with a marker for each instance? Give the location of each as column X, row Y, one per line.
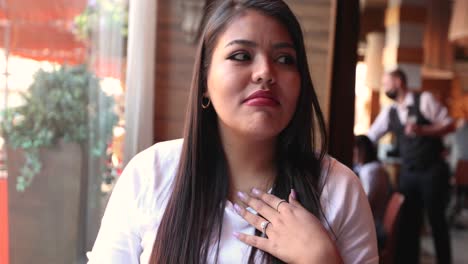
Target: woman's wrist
column 326, row 253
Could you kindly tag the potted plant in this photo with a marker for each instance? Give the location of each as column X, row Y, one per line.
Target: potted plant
column 63, row 128
column 63, row 105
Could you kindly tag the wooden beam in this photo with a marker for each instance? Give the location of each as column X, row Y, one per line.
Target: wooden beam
column 343, row 80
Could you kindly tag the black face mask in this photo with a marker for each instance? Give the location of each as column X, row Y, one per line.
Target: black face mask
column 392, row 94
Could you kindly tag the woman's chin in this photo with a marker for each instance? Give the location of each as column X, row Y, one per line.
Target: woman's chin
column 261, row 133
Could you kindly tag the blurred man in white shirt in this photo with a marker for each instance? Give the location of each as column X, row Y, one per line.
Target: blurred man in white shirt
column 418, row 121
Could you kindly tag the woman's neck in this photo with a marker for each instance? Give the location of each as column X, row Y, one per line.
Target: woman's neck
column 251, row 164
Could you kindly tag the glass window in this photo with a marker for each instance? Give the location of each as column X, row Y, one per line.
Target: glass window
column 62, row 91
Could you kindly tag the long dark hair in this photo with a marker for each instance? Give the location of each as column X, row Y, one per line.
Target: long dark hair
column 192, row 220
column 366, row 148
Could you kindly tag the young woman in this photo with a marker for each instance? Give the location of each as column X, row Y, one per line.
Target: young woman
column 375, row 181
column 246, row 183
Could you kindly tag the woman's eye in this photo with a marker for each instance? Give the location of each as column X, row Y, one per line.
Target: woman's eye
column 241, row 56
column 286, row 59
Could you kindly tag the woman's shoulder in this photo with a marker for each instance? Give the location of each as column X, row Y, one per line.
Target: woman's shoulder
column 341, row 190
column 337, row 175
column 161, row 150
column 158, row 155
column 347, row 213
column 342, row 194
column 151, row 172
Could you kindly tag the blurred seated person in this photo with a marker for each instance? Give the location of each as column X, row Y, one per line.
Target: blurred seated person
column 375, row 181
column 458, row 142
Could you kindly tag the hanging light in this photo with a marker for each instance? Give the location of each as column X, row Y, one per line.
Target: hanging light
column 458, row 32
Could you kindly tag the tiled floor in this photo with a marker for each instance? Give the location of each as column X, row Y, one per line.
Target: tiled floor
column 459, row 244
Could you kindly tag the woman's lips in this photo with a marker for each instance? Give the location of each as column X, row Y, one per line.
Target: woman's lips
column 261, row 98
column 261, row 101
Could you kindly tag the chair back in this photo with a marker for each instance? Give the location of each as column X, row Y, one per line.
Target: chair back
column 461, row 172
column 390, row 223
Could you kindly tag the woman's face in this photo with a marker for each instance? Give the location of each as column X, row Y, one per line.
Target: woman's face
column 253, row 81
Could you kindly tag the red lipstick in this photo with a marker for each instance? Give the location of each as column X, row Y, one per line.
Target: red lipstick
column 262, row 98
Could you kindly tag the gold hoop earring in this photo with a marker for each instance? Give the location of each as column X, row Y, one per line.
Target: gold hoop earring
column 205, row 105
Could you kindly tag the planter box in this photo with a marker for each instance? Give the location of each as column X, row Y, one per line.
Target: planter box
column 45, row 219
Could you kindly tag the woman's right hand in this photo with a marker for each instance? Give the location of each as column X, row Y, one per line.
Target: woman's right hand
column 293, row 234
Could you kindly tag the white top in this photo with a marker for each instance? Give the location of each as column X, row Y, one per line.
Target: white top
column 458, row 145
column 376, row 184
column 138, row 201
column 429, row 107
column 367, row 174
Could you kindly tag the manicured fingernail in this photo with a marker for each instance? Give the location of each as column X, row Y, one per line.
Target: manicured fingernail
column 237, row 208
column 293, row 194
column 256, row 191
column 235, row 234
column 242, row 196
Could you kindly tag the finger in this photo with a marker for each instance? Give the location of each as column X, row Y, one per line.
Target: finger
column 270, row 199
column 293, row 198
column 259, row 206
column 253, row 219
column 254, row 241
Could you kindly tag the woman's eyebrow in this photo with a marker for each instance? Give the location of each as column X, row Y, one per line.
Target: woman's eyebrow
column 249, row 43
column 242, row 42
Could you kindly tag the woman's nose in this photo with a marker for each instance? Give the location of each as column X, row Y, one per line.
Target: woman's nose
column 263, row 72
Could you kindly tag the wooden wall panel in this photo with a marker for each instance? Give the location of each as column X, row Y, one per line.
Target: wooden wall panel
column 458, row 101
column 317, row 19
column 404, row 12
column 438, row 51
column 440, row 89
column 372, row 20
column 174, row 66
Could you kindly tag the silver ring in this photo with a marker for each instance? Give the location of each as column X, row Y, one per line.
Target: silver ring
column 280, row 202
column 264, row 226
